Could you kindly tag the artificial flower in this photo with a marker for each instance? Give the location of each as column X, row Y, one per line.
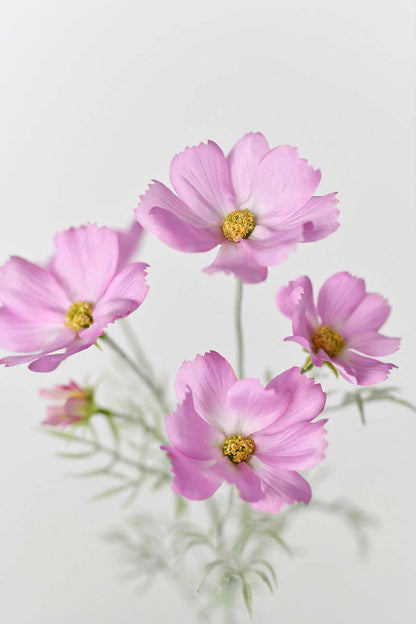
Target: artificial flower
column 50, row 314
column 256, row 204
column 341, row 327
column 74, row 404
column 240, row 432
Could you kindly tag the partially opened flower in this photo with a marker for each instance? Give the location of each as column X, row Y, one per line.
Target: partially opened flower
column 240, row 432
column 256, row 204
column 50, row 314
column 74, row 404
column 341, row 327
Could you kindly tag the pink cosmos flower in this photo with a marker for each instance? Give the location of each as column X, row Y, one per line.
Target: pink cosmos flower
column 343, row 325
column 256, row 204
column 75, row 404
column 50, row 314
column 238, row 431
column 128, row 243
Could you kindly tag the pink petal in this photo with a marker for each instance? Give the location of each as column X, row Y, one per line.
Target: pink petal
column 244, row 159
column 209, row 377
column 242, row 476
column 282, row 184
column 280, row 487
column 128, row 242
column 193, row 478
column 178, row 226
column 60, row 392
column 319, row 217
column 271, row 246
column 48, row 363
column 370, row 314
column 85, row 261
column 296, row 301
column 236, row 258
column 361, row 370
column 129, row 283
column 298, row 447
column 23, row 336
column 338, row 298
column 191, row 435
column 250, row 408
column 373, row 343
column 201, row 177
column 306, row 398
column 32, row 292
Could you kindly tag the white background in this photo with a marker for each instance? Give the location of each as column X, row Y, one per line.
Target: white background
column 96, row 99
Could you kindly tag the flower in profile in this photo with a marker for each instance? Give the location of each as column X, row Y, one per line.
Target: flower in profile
column 128, row 243
column 240, row 432
column 50, row 314
column 341, row 327
column 74, row 404
column 256, row 204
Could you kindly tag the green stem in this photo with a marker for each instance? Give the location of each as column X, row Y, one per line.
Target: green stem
column 239, row 328
column 140, row 421
column 156, row 392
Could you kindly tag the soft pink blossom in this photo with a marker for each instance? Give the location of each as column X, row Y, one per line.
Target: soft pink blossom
column 269, row 190
column 275, row 424
column 343, row 325
column 50, row 314
column 74, row 404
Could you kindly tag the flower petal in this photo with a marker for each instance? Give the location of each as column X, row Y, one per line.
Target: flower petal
column 318, row 218
column 201, row 177
column 250, row 408
column 296, row 301
column 271, row 246
column 373, row 343
column 209, row 377
column 338, row 298
column 282, row 183
column 129, row 283
column 85, row 261
column 236, row 258
column 48, row 363
column 23, row 336
column 280, row 487
column 244, row 159
column 298, row 447
column 32, row 292
column 370, row 314
column 191, row 435
column 361, row 370
column 306, row 398
column 128, row 242
column 193, row 479
column 242, row 476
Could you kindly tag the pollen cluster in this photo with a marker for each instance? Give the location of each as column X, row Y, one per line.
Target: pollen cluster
column 79, row 316
column 238, row 448
column 238, row 224
column 327, row 339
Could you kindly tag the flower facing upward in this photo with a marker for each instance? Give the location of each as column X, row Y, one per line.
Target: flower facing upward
column 345, row 321
column 74, row 405
column 256, row 204
column 238, row 431
column 50, row 314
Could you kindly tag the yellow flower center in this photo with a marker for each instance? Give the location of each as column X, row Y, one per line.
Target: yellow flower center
column 79, row 316
column 238, row 448
column 327, row 339
column 238, row 224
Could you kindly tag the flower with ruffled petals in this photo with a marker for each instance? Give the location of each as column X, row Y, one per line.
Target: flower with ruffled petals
column 240, row 432
column 74, row 404
column 341, row 327
column 50, row 314
column 256, row 204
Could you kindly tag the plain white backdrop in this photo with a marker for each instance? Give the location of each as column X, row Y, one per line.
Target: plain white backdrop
column 96, row 98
